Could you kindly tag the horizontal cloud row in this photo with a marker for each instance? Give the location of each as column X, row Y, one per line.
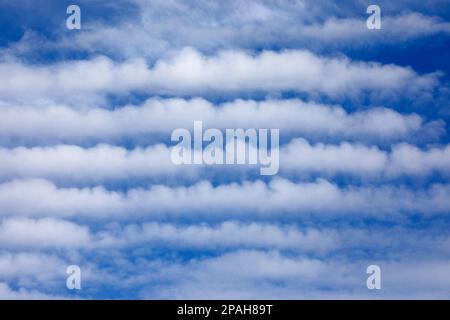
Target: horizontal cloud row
column 247, row 274
column 278, row 198
column 50, row 233
column 353, row 31
column 18, row 234
column 161, row 116
column 259, row 24
column 190, row 73
column 242, row 274
column 74, row 164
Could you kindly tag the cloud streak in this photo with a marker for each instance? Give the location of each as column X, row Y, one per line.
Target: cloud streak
column 280, row 197
column 76, row 165
column 228, row 72
column 159, row 117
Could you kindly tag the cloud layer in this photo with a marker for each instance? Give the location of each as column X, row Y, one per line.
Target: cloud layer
column 86, row 176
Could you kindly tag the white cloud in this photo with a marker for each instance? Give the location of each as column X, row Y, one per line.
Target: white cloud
column 408, row 159
column 6, row 293
column 103, row 162
column 67, row 79
column 43, row 233
column 300, row 157
column 239, row 275
column 32, row 270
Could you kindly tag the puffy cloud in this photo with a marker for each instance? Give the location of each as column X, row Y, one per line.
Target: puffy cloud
column 407, row 159
column 355, row 159
column 300, row 157
column 104, row 162
column 43, row 233
column 28, row 269
column 95, row 76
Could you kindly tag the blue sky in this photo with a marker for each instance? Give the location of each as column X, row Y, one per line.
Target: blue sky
column 86, row 176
